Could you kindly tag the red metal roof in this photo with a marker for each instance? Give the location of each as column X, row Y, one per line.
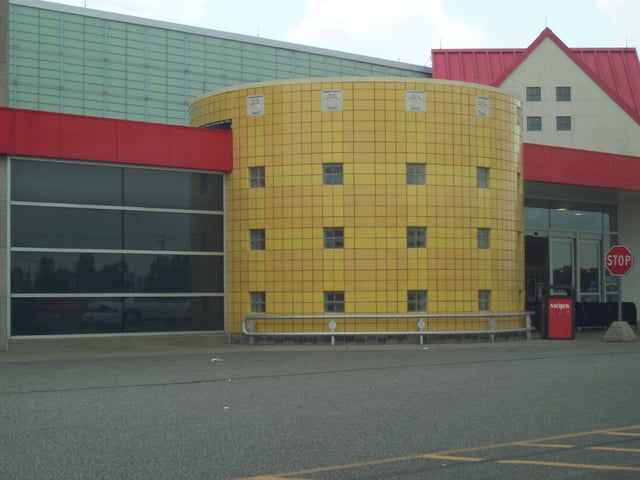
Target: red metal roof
column 615, row 70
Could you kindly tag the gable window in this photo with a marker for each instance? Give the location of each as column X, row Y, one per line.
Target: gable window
column 415, row 173
column 534, row 124
column 533, row 94
column 333, row 302
column 416, row 237
column 482, row 179
column 334, row 238
column 332, row 174
column 563, row 123
column 416, row 301
column 256, row 177
column 257, row 239
column 563, row 94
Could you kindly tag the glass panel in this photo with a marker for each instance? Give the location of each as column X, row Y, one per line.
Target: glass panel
column 51, row 227
column 44, row 272
column 173, row 231
column 562, row 262
column 169, row 189
column 589, row 254
column 579, row 220
column 174, row 273
column 536, row 217
column 54, row 316
column 55, row 182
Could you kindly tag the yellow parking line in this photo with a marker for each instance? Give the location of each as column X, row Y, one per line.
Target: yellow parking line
column 270, row 478
column 452, row 455
column 544, row 445
column 435, row 456
column 615, row 449
column 584, row 466
column 622, row 434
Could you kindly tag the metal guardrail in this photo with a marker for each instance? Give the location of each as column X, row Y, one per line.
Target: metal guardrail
column 334, row 325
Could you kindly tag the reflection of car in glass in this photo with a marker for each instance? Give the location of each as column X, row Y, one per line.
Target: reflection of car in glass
column 58, row 315
column 134, row 310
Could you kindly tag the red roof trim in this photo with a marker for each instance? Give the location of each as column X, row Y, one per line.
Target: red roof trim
column 544, row 163
column 76, row 137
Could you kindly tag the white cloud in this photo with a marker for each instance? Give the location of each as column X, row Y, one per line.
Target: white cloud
column 404, row 30
column 625, row 15
column 190, row 12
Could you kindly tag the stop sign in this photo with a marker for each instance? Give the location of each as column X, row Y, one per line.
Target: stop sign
column 618, row 260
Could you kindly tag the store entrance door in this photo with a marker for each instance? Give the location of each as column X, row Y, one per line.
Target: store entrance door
column 536, row 254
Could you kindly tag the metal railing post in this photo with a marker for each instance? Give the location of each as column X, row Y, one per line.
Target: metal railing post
column 492, row 328
column 421, row 326
column 332, row 327
column 252, row 329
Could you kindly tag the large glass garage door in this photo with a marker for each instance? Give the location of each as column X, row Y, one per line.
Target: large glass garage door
column 112, row 249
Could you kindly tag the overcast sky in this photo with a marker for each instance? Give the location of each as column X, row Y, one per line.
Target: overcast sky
column 404, row 30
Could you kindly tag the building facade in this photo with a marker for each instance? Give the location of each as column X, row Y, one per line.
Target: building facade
column 373, row 197
column 582, row 157
column 528, row 158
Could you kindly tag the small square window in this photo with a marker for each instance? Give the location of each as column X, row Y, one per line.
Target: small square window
column 416, row 301
column 563, row 123
column 332, row 174
column 258, row 302
column 416, row 237
column 533, row 94
column 334, row 302
column 482, row 175
column 483, row 238
column 334, row 238
column 534, row 124
column 258, row 241
column 484, row 300
column 563, row 94
column 415, row 174
column 256, row 177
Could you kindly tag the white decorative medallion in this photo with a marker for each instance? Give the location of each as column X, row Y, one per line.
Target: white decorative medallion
column 415, row 100
column 331, row 100
column 483, row 107
column 255, row 105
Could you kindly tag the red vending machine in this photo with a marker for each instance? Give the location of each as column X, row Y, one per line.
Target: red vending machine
column 558, row 320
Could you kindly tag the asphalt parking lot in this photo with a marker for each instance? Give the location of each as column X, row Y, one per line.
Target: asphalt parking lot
column 516, row 409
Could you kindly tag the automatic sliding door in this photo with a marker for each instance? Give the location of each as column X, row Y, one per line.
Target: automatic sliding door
column 562, row 261
column 589, row 261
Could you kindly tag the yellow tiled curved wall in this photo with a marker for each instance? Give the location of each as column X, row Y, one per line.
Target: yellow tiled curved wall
column 375, row 133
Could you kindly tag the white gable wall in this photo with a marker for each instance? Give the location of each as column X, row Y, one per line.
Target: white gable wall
column 598, row 123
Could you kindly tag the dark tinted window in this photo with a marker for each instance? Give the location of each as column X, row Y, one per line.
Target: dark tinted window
column 55, row 182
column 51, row 316
column 170, row 189
column 77, row 183
column 174, row 273
column 172, row 231
column 57, row 272
column 65, row 227
column 48, row 272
